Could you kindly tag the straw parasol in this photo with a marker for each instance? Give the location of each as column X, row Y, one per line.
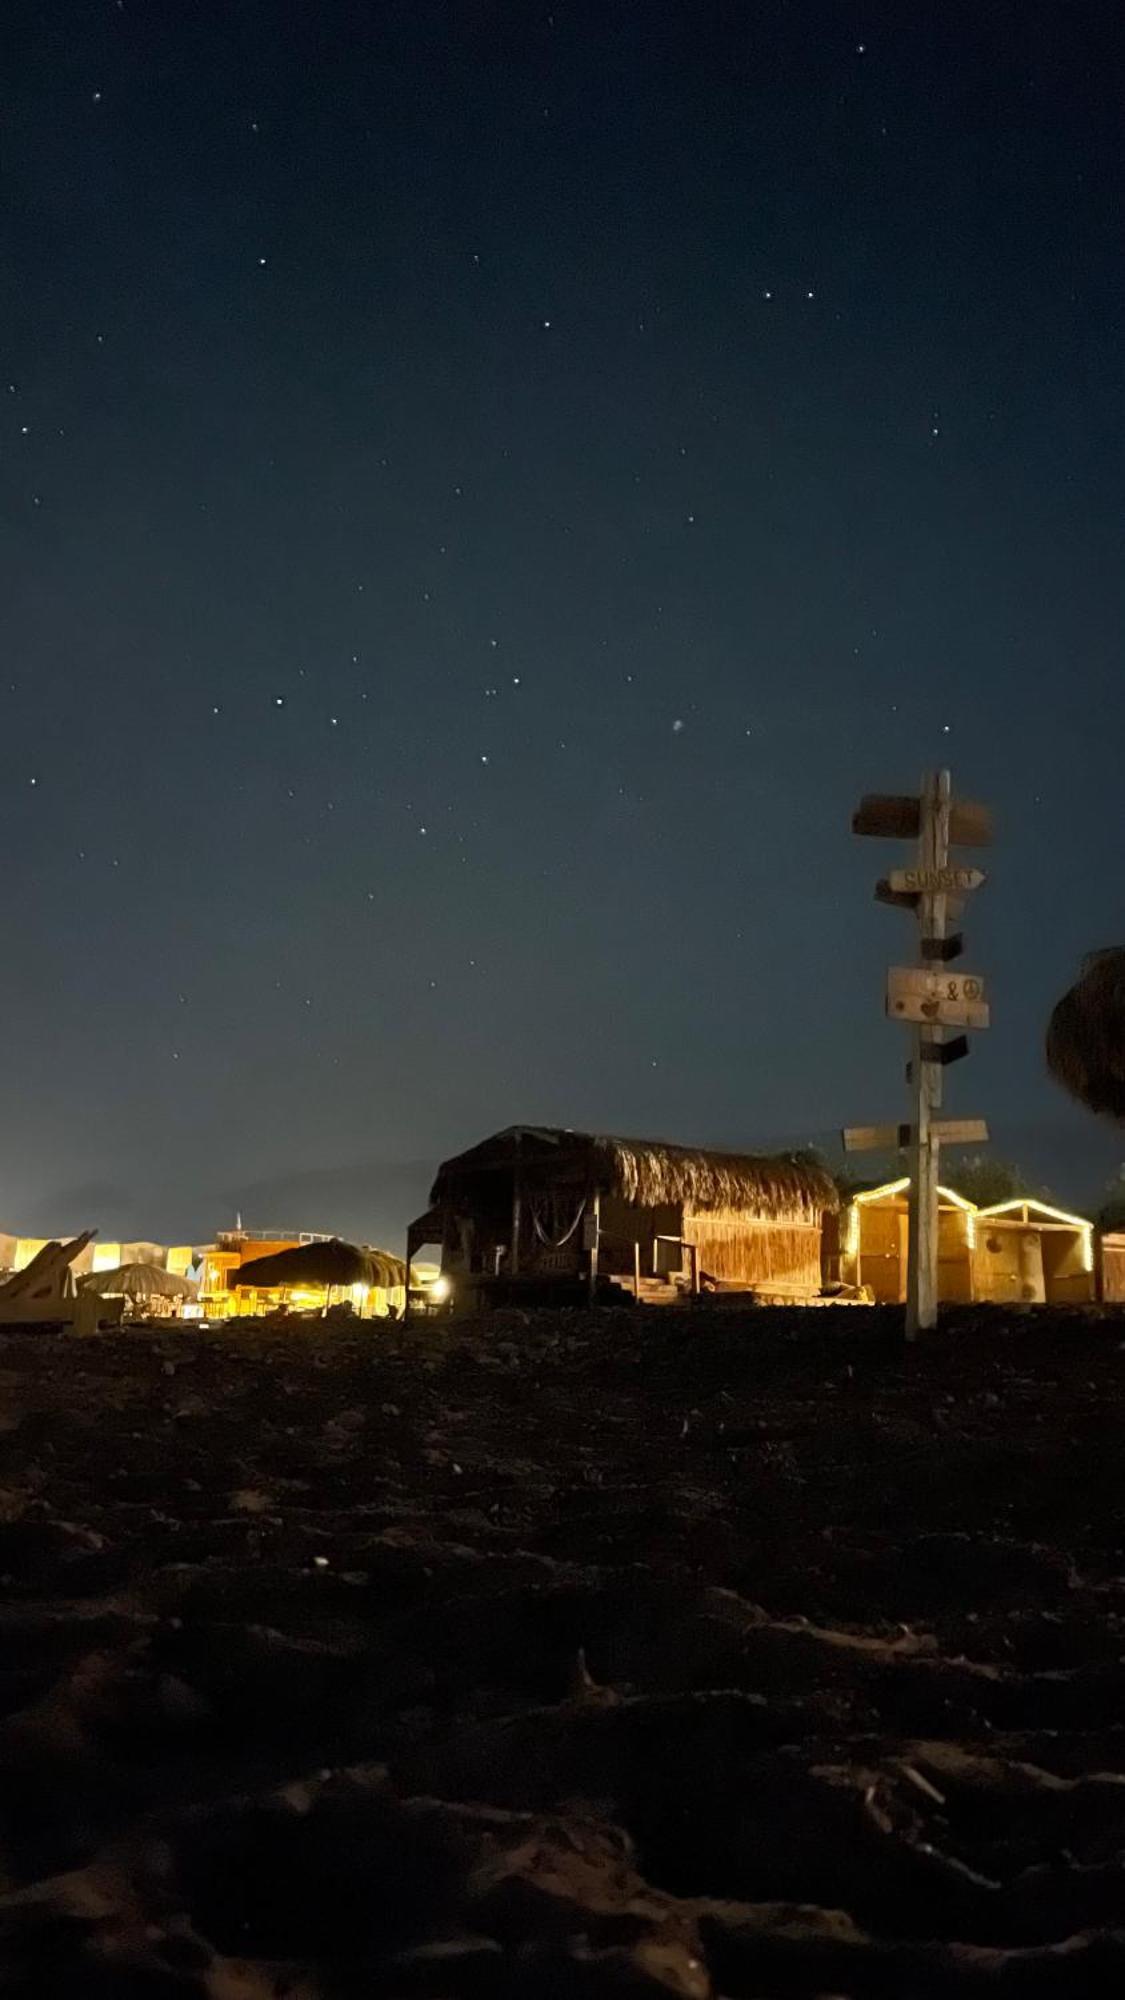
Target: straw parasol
column 323, row 1265
column 1086, row 1035
column 139, row 1281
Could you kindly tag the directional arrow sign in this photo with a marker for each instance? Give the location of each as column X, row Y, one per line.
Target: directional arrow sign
column 941, row 999
column 943, row 948
column 960, row 1131
column 875, row 1138
column 934, row 881
column 895, row 817
column 944, row 1053
column 887, row 1138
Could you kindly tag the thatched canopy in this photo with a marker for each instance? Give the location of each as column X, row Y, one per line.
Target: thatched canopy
column 321, row 1265
column 649, row 1172
column 139, row 1281
column 1086, row 1035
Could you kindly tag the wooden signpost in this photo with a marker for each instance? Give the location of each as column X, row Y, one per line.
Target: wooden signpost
column 930, row 999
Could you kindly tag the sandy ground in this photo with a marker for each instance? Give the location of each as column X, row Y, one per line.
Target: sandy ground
column 652, row 1654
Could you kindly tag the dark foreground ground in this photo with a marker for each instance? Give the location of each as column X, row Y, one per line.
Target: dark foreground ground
column 634, row 1656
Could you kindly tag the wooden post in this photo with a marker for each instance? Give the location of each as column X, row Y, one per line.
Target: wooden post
column 517, row 1206
column 922, row 1240
column 637, row 1270
column 595, row 1220
column 1033, row 1291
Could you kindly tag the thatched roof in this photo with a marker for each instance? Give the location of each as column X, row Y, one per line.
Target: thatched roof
column 138, row 1281
column 1086, row 1035
column 321, row 1264
column 652, row 1172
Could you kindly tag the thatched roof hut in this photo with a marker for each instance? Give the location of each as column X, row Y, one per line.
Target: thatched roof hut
column 1086, row 1035
column 652, row 1172
column 535, row 1200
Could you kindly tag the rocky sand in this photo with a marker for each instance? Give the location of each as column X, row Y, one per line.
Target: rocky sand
column 640, row 1654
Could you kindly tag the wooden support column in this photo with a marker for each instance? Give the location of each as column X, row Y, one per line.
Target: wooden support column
column 922, row 1241
column 929, row 999
column 594, row 1227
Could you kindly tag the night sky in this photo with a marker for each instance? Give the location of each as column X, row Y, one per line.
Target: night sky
column 484, row 490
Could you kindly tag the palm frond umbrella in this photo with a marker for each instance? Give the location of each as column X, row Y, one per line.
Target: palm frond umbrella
column 139, row 1281
column 1086, row 1035
column 322, row 1265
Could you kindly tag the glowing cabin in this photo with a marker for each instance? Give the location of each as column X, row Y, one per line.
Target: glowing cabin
column 873, row 1243
column 1029, row 1253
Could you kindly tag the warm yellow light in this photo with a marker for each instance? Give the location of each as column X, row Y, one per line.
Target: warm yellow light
column 1041, row 1208
column 440, row 1289
column 1087, row 1252
column 958, row 1200
column 971, row 1232
column 889, row 1187
column 851, row 1233
column 899, row 1187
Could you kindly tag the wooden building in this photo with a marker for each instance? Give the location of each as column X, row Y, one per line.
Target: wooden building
column 873, row 1243
column 543, row 1212
column 1029, row 1253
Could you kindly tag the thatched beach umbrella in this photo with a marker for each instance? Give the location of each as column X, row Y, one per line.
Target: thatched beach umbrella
column 324, row 1266
column 139, row 1281
column 1086, row 1035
